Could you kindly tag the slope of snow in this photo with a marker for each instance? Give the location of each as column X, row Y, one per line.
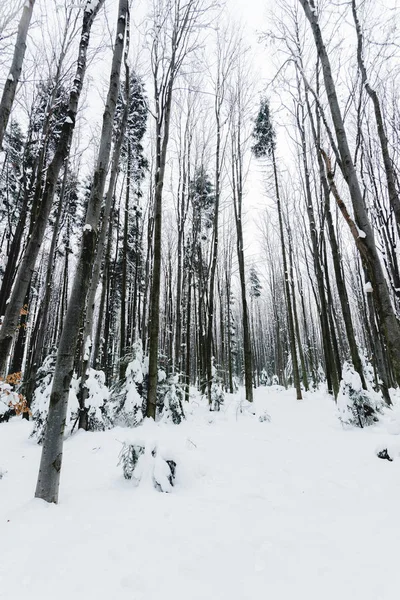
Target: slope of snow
column 296, row 508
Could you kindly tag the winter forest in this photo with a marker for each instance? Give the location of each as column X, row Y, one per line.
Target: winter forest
column 199, row 299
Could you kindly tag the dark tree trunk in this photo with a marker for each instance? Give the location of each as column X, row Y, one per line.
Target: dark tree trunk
column 50, row 465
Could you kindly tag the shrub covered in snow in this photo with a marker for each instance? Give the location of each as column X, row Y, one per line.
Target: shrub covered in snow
column 141, row 461
column 41, row 397
column 170, row 397
column 127, row 401
column 96, row 397
column 356, row 406
column 217, row 395
column 5, row 410
column 264, row 417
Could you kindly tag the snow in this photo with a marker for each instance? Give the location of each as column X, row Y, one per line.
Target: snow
column 297, row 507
column 91, row 5
column 87, row 348
column 68, row 120
column 87, row 227
column 368, row 287
column 361, row 233
column 10, row 77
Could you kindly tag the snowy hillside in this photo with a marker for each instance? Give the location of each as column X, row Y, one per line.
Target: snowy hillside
column 295, row 507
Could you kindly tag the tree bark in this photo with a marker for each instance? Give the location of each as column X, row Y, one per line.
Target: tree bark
column 14, row 75
column 50, row 466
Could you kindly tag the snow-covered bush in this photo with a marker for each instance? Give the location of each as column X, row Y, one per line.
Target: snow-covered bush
column 264, row 417
column 170, row 397
column 245, row 407
column 127, row 401
column 128, row 459
column 142, row 461
column 356, row 406
column 217, row 395
column 96, row 396
column 41, row 396
column 264, row 379
column 5, row 410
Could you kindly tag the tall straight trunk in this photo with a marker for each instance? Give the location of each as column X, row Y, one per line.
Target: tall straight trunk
column 122, row 344
column 292, row 338
column 237, row 189
column 188, row 333
column 104, row 287
column 182, row 214
column 214, row 255
column 38, row 336
column 154, row 325
column 14, row 75
column 50, row 464
column 366, row 245
column 13, row 254
column 19, row 348
column 229, row 330
column 33, row 246
column 295, row 316
column 99, row 254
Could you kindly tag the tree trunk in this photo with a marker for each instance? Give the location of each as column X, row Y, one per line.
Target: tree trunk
column 50, row 465
column 10, row 86
column 293, row 351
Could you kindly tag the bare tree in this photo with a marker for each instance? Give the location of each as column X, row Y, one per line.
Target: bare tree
column 174, row 23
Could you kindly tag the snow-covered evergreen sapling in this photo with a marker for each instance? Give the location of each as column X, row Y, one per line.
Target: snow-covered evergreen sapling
column 171, row 399
column 128, row 458
column 127, row 403
column 356, row 406
column 97, row 396
column 141, row 461
column 217, row 390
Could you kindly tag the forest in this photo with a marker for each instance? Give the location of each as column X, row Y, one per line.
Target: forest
column 199, row 223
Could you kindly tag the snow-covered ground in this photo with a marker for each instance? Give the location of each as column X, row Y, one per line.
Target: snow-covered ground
column 296, row 508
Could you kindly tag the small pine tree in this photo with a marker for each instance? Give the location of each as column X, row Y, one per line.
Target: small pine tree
column 127, row 402
column 172, row 401
column 255, row 285
column 356, row 406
